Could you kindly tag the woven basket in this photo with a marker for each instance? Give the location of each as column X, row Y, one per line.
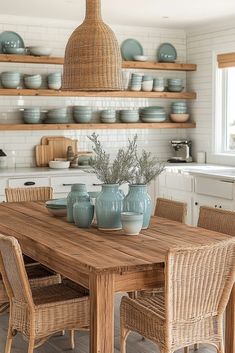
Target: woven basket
column 92, row 57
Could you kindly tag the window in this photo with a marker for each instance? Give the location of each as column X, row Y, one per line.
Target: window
column 225, row 104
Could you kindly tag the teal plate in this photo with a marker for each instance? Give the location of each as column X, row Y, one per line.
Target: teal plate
column 166, row 53
column 131, row 47
column 12, row 39
column 57, row 203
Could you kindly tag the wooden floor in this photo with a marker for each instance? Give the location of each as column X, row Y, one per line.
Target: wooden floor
column 59, row 344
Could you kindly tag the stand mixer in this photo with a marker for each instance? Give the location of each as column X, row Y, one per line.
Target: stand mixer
column 183, row 151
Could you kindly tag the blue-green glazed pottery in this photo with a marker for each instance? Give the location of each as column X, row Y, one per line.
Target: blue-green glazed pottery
column 109, row 204
column 83, row 212
column 138, row 200
column 77, row 191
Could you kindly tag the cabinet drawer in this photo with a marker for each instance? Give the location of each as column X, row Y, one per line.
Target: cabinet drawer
column 28, row 182
column 3, row 185
column 63, row 184
column 214, row 187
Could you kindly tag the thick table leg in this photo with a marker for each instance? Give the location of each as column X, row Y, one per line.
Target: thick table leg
column 230, row 324
column 102, row 313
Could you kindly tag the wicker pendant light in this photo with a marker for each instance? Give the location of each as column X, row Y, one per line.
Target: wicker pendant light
column 92, row 57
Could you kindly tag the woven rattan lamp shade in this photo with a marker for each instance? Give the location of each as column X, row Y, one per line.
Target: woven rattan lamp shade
column 92, row 57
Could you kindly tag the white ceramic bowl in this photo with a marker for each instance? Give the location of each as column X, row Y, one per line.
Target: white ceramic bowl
column 59, row 164
column 40, row 51
column 132, row 222
column 179, row 118
column 140, row 58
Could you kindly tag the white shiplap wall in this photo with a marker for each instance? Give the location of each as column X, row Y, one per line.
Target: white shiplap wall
column 55, row 34
column 203, row 44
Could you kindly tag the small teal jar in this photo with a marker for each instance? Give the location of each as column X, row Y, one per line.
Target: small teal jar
column 109, row 204
column 77, row 191
column 138, row 200
column 83, row 212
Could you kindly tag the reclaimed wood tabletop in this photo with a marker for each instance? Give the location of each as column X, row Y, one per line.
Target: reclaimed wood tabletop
column 105, row 262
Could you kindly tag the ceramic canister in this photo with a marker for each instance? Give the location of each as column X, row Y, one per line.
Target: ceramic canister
column 83, row 212
column 77, row 191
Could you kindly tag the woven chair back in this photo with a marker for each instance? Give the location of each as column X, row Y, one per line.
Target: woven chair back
column 13, row 270
column 173, row 210
column 28, row 194
column 199, row 281
column 217, row 220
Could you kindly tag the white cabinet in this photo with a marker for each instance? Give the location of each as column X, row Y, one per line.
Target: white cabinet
column 178, row 187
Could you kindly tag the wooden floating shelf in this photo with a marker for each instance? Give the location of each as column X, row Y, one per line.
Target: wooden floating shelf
column 152, row 65
column 108, row 94
column 147, row 65
column 11, row 127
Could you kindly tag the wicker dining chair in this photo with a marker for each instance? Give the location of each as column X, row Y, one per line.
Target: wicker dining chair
column 170, row 209
column 29, row 194
column 38, row 312
column 198, row 283
column 175, row 211
column 38, row 275
column 222, row 221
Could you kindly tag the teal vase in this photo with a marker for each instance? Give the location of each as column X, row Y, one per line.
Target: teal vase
column 83, row 212
column 138, row 200
column 77, row 191
column 109, row 204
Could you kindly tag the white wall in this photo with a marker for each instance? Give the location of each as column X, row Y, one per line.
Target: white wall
column 55, row 34
column 203, row 44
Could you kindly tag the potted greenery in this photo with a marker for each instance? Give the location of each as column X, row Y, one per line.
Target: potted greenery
column 147, row 167
column 109, row 203
column 127, row 167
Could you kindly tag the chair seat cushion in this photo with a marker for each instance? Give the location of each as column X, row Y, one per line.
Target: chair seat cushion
column 57, row 293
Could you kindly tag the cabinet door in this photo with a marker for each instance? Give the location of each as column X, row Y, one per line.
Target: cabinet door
column 200, row 200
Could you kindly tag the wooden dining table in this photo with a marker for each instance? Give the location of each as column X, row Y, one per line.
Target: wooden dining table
column 105, row 262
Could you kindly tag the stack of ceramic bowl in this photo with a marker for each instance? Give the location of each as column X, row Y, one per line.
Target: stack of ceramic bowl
column 135, row 83
column 179, row 112
column 158, row 84
column 147, row 83
column 32, row 116
column 10, row 79
column 108, row 116
column 129, row 116
column 153, row 114
column 13, row 50
column 82, row 114
column 57, row 116
column 57, row 207
column 175, row 85
column 32, row 81
column 54, row 80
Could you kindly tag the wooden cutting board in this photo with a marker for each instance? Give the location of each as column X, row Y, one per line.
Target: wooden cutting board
column 53, row 147
column 60, row 147
column 44, row 154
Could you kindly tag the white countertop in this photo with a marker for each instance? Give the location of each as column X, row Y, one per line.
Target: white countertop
column 38, row 171
column 206, row 170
